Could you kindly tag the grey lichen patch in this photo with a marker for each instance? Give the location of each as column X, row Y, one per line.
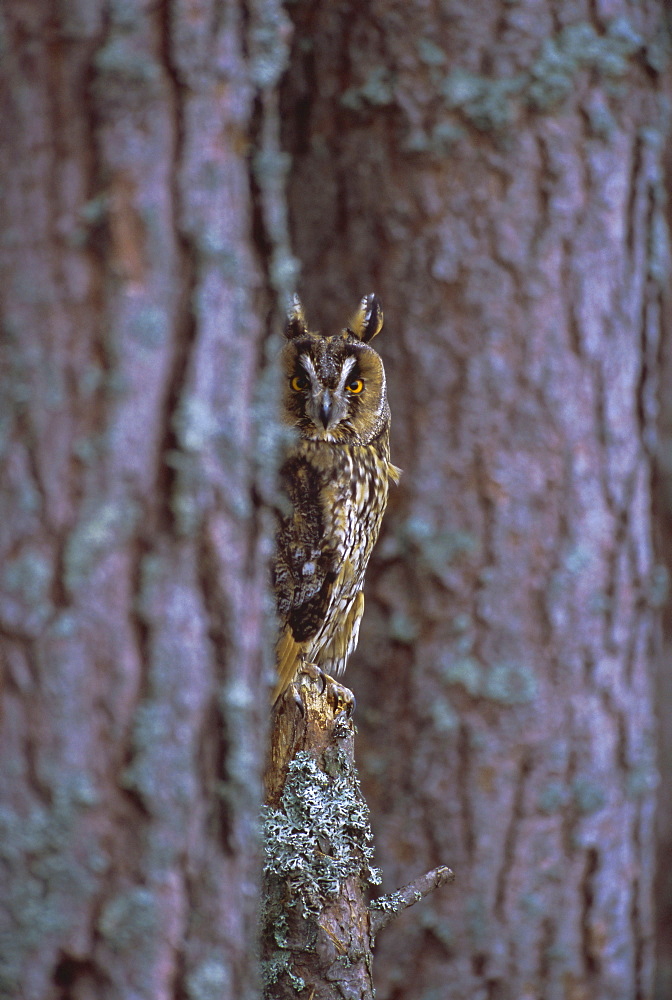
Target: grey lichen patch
column 281, row 964
column 105, row 528
column 439, row 140
column 403, row 628
column 430, row 53
column 161, row 766
column 129, row 919
column 641, row 781
column 553, row 797
column 40, row 899
column 268, row 38
column 436, row 549
column 392, row 902
column 493, row 105
column 465, row 671
column 319, row 835
column 211, row 980
column 485, row 102
column 444, row 718
column 439, row 927
column 150, row 326
column 510, row 684
column 588, row 796
column 121, row 59
column 575, row 48
column 195, row 423
column 377, row 91
column 25, row 585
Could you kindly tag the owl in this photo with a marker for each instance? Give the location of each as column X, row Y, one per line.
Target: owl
column 336, row 476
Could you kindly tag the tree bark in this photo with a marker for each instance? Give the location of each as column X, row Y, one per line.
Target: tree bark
column 142, row 254
column 663, row 525
column 493, row 172
column 318, row 929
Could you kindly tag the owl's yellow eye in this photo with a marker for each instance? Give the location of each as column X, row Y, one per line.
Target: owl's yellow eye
column 355, row 386
column 299, row 383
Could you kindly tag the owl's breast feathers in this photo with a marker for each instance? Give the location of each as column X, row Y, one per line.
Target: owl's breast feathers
column 338, row 495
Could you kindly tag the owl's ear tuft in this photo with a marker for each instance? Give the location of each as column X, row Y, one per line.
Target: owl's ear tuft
column 368, row 320
column 296, row 321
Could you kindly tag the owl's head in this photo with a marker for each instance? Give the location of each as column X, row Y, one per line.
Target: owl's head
column 335, row 385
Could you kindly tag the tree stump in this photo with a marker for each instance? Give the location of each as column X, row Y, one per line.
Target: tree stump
column 318, row 928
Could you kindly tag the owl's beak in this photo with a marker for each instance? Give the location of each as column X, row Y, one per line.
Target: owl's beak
column 326, row 409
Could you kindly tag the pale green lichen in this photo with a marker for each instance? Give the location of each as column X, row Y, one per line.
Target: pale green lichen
column 104, row 528
column 61, row 871
column 510, row 684
column 25, row 583
column 267, row 37
column 129, row 919
column 403, row 628
column 439, row 927
column 437, row 549
column 318, row 836
column 211, row 980
column 444, row 718
column 149, row 326
column 430, row 53
column 485, row 102
column 553, row 798
column 320, row 833
column 465, row 671
column 588, row 796
column 120, row 59
column 494, row 104
column 377, row 91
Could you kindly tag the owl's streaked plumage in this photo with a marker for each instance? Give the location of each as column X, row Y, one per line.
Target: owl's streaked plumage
column 336, row 476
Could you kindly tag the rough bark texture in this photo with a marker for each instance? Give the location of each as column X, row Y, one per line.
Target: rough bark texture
column 139, row 173
column 318, row 929
column 315, row 934
column 663, row 509
column 492, row 171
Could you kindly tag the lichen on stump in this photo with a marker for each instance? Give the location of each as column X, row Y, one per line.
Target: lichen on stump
column 317, row 927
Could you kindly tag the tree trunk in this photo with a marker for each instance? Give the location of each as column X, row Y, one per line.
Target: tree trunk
column 142, row 253
column 663, row 519
column 492, row 171
column 318, row 929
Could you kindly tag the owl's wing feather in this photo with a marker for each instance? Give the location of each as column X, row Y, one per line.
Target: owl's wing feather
column 307, row 575
column 307, row 617
column 288, row 658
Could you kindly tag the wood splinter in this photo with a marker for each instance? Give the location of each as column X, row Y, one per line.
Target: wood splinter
column 318, row 927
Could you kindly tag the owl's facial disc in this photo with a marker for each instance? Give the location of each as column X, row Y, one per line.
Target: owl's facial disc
column 326, row 404
column 325, row 407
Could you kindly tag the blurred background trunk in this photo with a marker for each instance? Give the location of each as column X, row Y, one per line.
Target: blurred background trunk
column 493, row 172
column 141, row 256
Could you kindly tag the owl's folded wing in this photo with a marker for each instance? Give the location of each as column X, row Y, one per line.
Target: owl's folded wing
column 311, row 609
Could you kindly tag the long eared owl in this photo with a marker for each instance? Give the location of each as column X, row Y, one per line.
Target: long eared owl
column 336, row 476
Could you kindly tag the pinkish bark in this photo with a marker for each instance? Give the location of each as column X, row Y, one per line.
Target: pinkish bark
column 493, row 172
column 138, row 271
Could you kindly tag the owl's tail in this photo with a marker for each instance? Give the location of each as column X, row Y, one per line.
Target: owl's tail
column 288, row 658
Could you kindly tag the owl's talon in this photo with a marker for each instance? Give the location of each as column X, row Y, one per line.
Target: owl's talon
column 298, row 700
column 315, row 673
column 340, row 695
